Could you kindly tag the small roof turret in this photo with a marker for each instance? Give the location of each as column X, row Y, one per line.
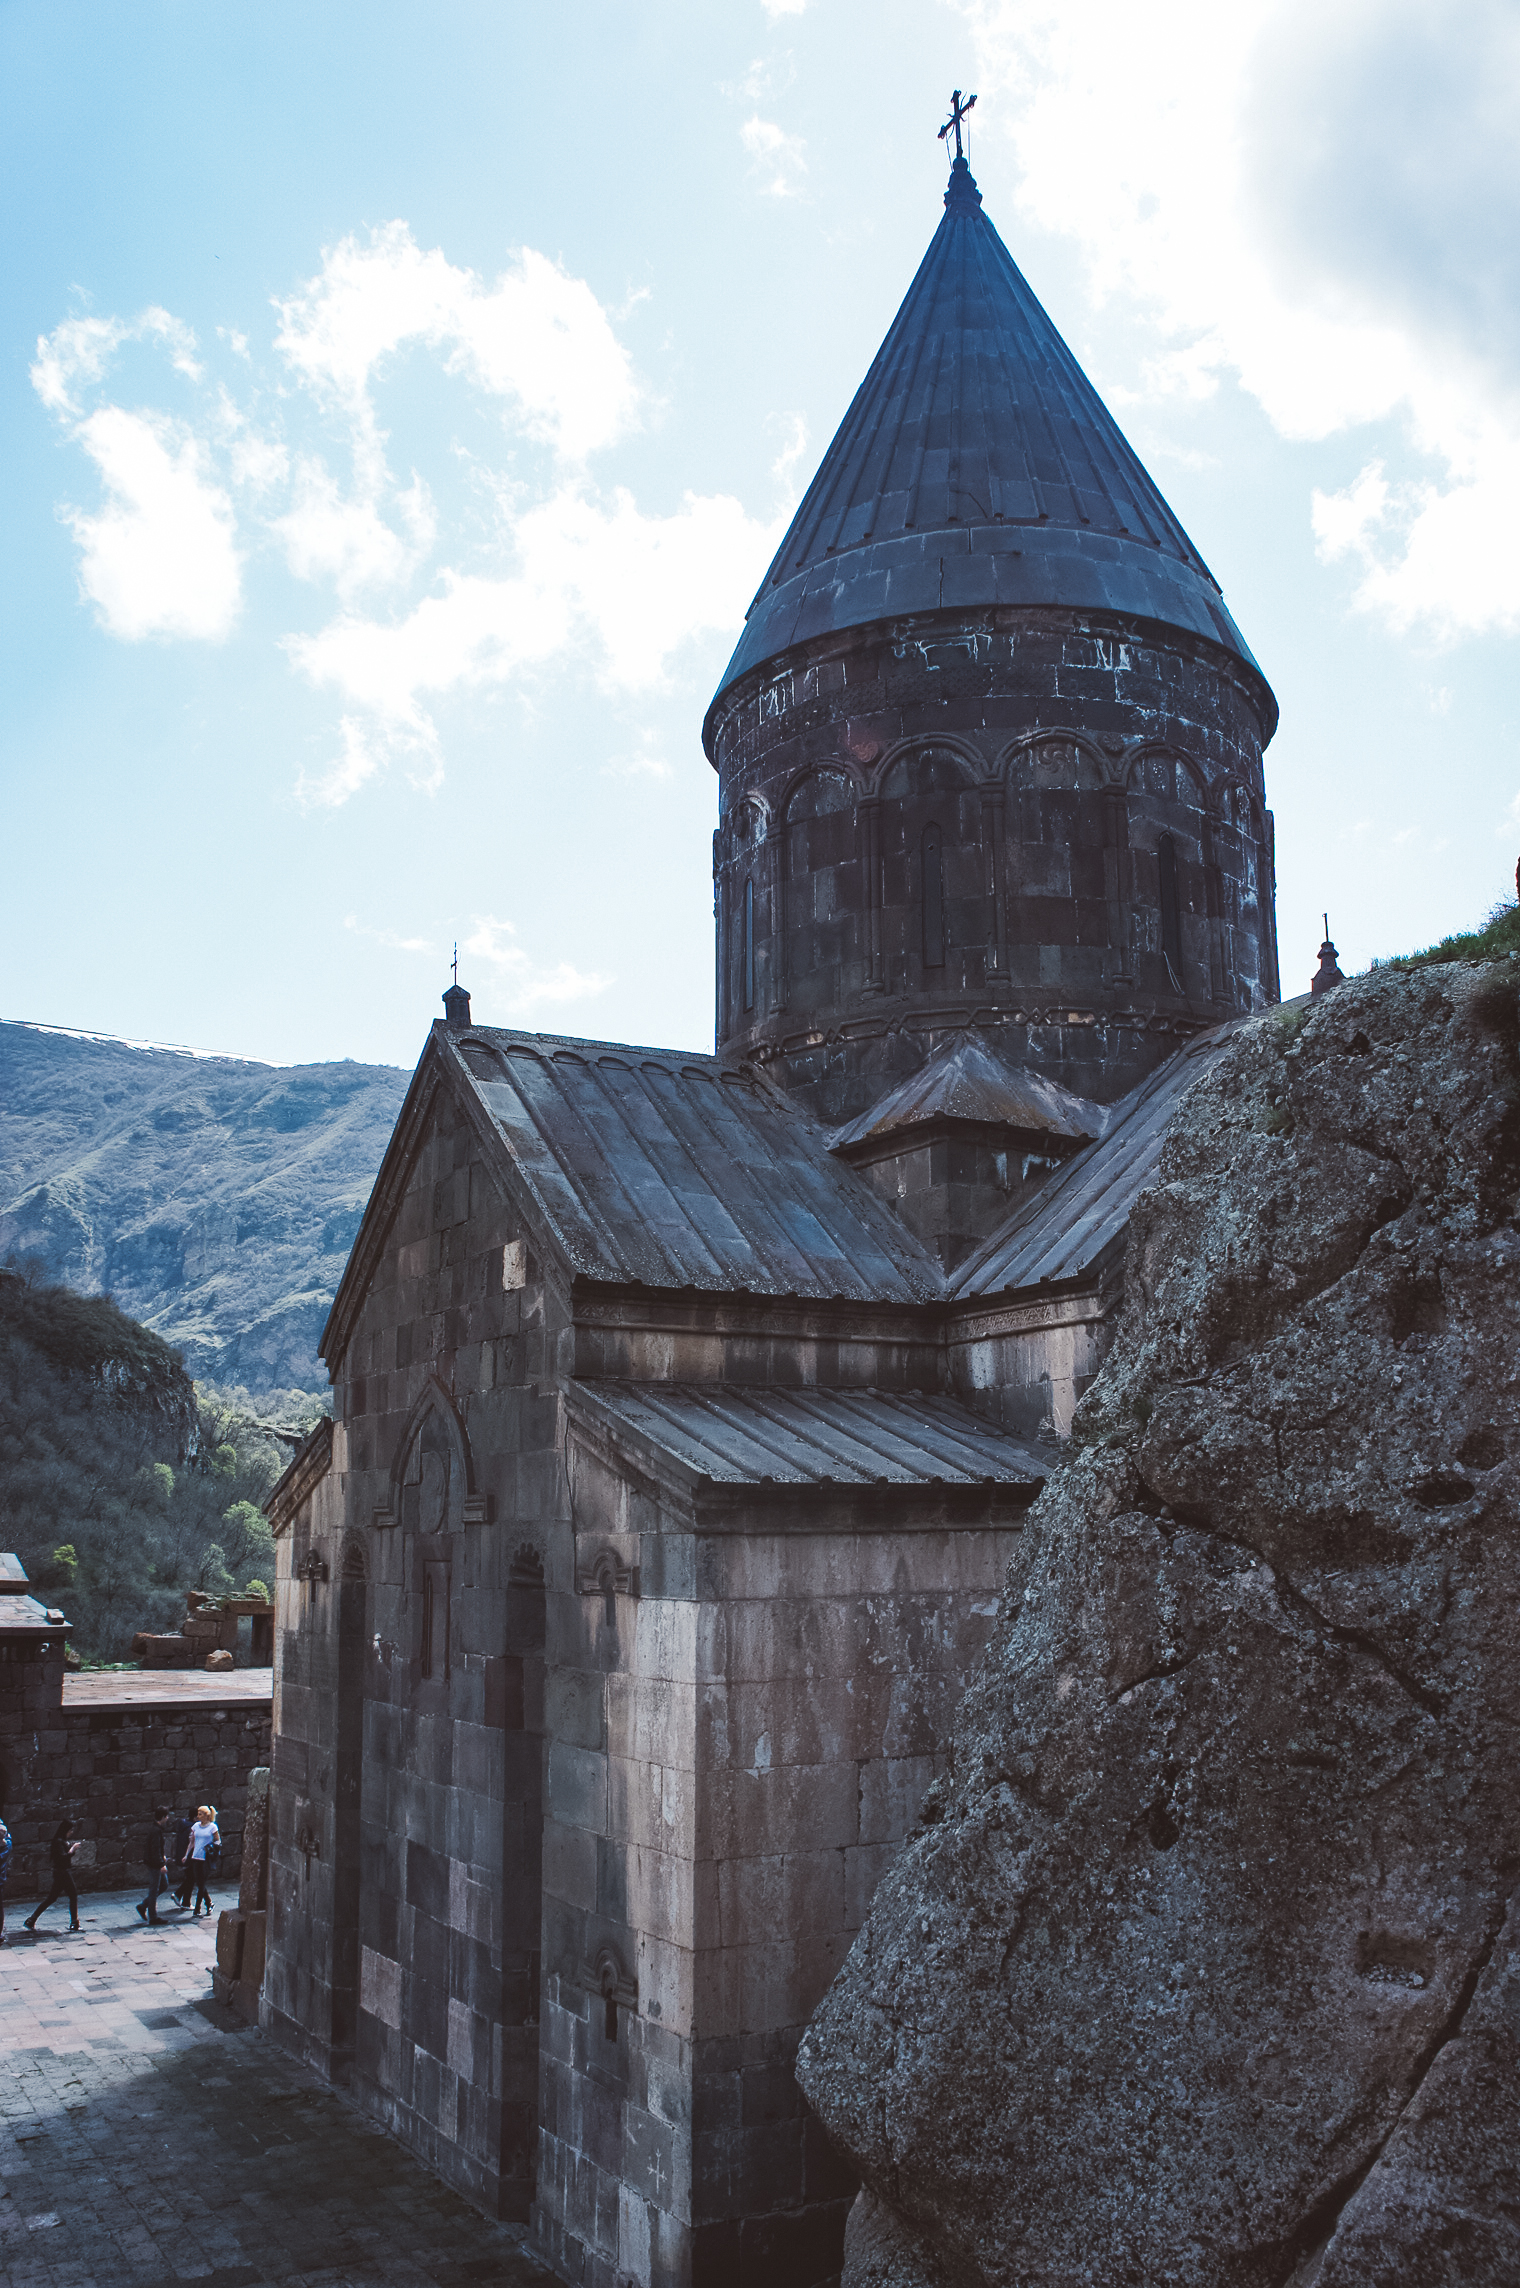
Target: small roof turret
column 978, row 466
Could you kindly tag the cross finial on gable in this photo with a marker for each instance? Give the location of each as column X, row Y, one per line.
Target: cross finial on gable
column 958, row 111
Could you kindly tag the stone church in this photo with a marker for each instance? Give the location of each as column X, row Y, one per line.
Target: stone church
column 686, row 1408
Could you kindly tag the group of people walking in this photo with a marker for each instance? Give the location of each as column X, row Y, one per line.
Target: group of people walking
column 179, row 1858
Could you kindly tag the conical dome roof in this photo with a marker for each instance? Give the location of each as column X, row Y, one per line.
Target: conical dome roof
column 978, row 466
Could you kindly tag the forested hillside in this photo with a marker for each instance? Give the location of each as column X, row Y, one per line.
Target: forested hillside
column 214, row 1198
column 120, row 1486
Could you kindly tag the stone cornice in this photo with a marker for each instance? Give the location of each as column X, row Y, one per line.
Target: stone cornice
column 300, row 1478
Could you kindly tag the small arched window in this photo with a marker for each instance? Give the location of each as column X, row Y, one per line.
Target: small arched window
column 1171, row 911
column 749, row 944
column 933, row 871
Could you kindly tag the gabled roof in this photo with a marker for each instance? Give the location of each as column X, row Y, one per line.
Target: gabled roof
column 965, row 1082
column 723, row 1434
column 1071, row 1223
column 979, row 466
column 658, row 1168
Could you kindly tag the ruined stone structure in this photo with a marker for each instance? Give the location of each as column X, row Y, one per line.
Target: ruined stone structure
column 104, row 1749
column 686, row 1408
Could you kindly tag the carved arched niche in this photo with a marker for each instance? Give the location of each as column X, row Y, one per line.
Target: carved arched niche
column 743, row 897
column 1065, row 886
column 432, row 1488
column 1174, row 871
column 1245, row 894
column 803, row 886
column 932, row 923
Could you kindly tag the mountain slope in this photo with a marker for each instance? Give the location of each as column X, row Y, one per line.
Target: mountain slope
column 214, row 1198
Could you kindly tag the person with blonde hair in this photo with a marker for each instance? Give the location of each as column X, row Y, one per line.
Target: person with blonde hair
column 205, row 1851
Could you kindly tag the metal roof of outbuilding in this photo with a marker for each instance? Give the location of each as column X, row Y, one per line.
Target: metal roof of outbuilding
column 965, row 1082
column 673, row 1170
column 739, row 1435
column 1074, row 1219
column 978, row 466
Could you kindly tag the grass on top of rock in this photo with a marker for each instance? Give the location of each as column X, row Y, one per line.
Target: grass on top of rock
column 1498, row 938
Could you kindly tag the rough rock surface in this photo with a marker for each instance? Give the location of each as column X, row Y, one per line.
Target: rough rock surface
column 1198, row 1970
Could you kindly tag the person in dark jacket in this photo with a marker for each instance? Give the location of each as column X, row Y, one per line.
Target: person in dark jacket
column 153, row 1859
column 5, row 1871
column 181, row 1874
column 61, row 1851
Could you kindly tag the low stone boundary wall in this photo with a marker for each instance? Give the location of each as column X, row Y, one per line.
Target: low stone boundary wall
column 107, row 1767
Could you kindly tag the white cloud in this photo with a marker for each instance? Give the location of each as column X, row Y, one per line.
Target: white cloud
column 259, row 463
column 792, row 456
column 779, row 159
column 390, row 939
column 77, row 353
column 1323, row 206
column 160, row 557
column 538, row 338
column 347, row 541
column 360, row 755
column 521, row 982
column 629, row 588
column 554, row 566
column 645, row 762
column 775, row 8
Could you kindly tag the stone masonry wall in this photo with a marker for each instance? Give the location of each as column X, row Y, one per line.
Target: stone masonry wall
column 107, row 1768
column 407, row 1790
column 1022, row 820
column 743, row 1726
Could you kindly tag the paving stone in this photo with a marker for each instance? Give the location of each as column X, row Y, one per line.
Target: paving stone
column 148, row 2137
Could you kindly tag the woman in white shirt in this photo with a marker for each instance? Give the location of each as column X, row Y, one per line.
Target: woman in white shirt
column 205, row 1850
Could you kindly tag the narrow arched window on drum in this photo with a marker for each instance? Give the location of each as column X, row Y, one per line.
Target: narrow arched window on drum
column 933, row 868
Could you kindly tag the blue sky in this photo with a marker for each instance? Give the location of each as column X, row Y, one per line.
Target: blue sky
column 401, row 404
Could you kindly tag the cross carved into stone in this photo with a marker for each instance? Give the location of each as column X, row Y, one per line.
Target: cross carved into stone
column 312, row 1570
column 958, row 111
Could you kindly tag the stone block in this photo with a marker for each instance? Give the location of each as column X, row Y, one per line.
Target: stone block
column 380, row 1986
column 655, row 2162
column 575, row 1707
column 658, row 1894
column 652, row 1805
column 799, row 1807
column 229, row 1942
column 863, row 1869
column 578, row 1786
column 891, row 1793
column 570, row 1864
column 251, row 1969
column 764, row 1986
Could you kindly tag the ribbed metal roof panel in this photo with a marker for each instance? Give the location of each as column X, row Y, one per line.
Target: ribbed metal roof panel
column 1072, row 1221
column 723, row 1434
column 978, row 466
column 669, row 1170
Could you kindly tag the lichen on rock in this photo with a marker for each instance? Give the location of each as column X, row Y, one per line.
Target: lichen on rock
column 1198, row 1970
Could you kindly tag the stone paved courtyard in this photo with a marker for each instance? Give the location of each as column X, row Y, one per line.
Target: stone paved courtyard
column 147, row 2136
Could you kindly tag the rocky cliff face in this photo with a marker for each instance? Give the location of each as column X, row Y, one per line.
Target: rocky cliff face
column 216, row 1199
column 1202, row 1968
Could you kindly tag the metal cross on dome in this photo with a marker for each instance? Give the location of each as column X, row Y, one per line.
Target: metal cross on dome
column 958, row 111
